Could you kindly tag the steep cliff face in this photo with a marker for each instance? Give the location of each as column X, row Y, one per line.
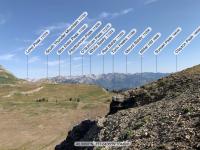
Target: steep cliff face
column 161, row 115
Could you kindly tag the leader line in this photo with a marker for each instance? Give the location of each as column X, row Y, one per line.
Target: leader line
column 99, row 43
column 34, row 45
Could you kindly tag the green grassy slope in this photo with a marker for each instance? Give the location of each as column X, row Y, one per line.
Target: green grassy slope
column 36, row 115
column 51, row 96
column 6, row 77
column 46, row 110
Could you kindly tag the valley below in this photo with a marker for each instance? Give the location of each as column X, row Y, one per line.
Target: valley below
column 39, row 115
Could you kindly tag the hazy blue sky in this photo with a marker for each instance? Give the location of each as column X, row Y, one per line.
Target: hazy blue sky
column 22, row 21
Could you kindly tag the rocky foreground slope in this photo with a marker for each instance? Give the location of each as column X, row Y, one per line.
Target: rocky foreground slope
column 161, row 115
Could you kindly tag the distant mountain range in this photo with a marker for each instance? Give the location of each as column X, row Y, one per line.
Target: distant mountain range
column 112, row 81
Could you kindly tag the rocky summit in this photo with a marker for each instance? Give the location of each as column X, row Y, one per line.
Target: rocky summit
column 164, row 114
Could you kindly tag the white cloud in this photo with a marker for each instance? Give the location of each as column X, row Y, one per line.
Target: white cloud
column 130, row 62
column 28, row 41
column 77, row 66
column 77, row 58
column 126, row 11
column 34, row 59
column 108, row 15
column 7, row 57
column 55, row 27
column 148, row 2
column 55, row 63
column 104, row 15
column 2, row 19
column 17, row 50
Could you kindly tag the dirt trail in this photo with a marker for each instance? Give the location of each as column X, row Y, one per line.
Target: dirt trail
column 33, row 91
column 24, row 92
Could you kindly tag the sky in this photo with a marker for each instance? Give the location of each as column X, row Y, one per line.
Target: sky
column 22, row 22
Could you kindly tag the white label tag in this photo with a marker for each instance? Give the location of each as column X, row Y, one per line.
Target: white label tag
column 167, row 41
column 187, row 41
column 101, row 41
column 65, row 33
column 85, row 37
column 73, row 38
column 138, row 40
column 113, row 42
column 150, row 43
column 123, row 41
column 37, row 42
column 96, row 38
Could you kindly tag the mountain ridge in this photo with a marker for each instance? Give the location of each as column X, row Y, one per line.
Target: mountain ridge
column 109, row 81
column 112, row 81
column 7, row 77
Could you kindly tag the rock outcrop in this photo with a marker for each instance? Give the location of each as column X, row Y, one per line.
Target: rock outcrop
column 77, row 133
column 161, row 115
